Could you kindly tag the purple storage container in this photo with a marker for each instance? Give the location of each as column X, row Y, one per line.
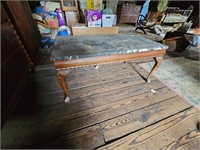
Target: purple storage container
column 60, row 16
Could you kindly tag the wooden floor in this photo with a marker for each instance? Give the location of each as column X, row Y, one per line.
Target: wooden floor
column 111, row 107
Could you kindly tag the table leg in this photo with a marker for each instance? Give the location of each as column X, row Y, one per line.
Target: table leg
column 60, row 74
column 158, row 60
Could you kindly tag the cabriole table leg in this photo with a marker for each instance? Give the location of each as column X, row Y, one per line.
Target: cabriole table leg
column 60, row 74
column 158, row 60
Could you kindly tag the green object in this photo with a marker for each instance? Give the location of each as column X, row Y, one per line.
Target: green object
column 162, row 5
column 103, row 5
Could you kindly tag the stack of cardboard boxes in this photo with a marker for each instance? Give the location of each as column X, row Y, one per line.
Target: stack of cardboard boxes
column 94, row 13
column 47, row 21
column 95, row 16
column 95, row 21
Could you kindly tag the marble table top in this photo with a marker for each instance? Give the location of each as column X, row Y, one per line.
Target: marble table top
column 74, row 47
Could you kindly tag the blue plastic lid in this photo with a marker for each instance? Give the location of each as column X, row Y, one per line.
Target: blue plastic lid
column 63, row 33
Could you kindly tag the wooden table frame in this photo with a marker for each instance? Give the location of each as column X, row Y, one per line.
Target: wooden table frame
column 63, row 66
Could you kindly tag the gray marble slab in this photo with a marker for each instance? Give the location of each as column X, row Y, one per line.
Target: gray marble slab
column 73, row 47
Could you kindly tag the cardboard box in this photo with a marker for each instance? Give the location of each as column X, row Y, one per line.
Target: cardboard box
column 94, row 18
column 67, row 5
column 52, row 23
column 37, row 17
column 81, row 29
column 108, row 20
column 71, row 18
column 42, row 24
column 94, row 4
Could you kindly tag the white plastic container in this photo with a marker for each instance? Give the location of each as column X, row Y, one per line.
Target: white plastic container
column 83, row 4
column 64, row 31
column 108, row 20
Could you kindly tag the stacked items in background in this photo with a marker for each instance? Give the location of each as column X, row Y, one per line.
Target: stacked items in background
column 93, row 13
column 49, row 19
column 70, row 7
column 58, row 18
column 108, row 18
column 96, row 20
column 97, row 16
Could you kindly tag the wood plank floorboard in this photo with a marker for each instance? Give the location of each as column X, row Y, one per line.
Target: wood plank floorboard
column 34, row 88
column 133, row 121
column 107, row 104
column 172, row 133
column 93, row 101
column 85, row 72
column 188, row 141
column 93, row 77
column 87, row 138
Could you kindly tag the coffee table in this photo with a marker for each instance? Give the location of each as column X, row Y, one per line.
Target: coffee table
column 92, row 50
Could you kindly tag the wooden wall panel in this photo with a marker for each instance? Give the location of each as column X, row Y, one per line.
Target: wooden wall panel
column 18, row 16
column 33, row 26
column 15, row 63
column 9, row 42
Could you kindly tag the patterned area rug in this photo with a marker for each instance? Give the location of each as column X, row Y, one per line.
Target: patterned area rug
column 181, row 75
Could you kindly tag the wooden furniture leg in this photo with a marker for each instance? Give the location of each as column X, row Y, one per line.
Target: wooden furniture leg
column 158, row 60
column 60, row 74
